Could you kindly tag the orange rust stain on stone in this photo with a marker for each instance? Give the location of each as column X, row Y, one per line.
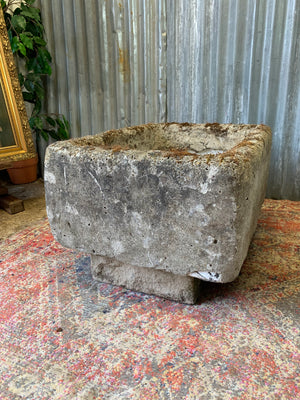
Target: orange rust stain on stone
column 180, row 153
column 116, row 149
column 216, row 128
column 233, row 153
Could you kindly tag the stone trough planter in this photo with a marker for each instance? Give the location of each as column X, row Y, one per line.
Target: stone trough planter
column 160, row 206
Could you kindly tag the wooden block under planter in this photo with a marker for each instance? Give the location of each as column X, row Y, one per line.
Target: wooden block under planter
column 11, row 204
column 3, row 190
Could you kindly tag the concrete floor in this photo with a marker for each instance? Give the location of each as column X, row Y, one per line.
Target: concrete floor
column 33, row 196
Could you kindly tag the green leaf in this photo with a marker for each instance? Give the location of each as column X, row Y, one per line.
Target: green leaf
column 27, row 41
column 36, row 28
column 50, row 121
column 33, row 77
column 53, row 134
column 39, row 40
column 40, row 91
column 44, row 134
column 37, row 107
column 62, row 133
column 33, row 65
column 30, row 65
column 67, row 124
column 31, row 122
column 36, row 88
column 29, row 85
column 18, row 22
column 59, row 123
column 29, row 97
column 45, row 67
column 37, row 122
column 41, row 63
column 45, row 55
column 29, row 34
column 22, row 48
column 10, row 35
column 21, row 79
column 30, row 12
column 15, row 44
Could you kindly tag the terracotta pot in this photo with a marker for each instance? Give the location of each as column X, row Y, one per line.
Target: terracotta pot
column 23, row 171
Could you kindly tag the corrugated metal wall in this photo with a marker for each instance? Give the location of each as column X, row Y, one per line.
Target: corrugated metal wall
column 119, row 63
column 239, row 61
column 110, row 62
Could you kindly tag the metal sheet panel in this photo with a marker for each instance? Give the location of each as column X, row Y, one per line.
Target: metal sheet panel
column 126, row 62
column 109, row 62
column 238, row 61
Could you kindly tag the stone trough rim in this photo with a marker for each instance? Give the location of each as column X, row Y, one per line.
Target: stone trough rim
column 235, row 156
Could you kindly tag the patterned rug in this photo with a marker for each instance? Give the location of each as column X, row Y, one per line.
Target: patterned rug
column 64, row 336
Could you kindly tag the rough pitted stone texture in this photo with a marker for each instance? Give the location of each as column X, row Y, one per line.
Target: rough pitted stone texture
column 148, row 280
column 179, row 198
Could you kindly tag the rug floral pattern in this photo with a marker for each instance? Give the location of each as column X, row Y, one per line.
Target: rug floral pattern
column 65, row 336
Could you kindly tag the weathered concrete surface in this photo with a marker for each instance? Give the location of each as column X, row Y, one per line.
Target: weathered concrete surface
column 180, row 198
column 183, row 289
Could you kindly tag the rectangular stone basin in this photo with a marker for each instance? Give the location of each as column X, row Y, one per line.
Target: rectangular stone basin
column 160, row 206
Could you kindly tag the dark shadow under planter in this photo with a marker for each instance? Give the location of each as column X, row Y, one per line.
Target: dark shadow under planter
column 23, row 171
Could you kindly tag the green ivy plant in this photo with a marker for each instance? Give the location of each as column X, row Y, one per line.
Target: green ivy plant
column 26, row 35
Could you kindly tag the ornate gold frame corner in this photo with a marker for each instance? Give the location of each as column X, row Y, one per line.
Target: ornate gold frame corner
column 9, row 84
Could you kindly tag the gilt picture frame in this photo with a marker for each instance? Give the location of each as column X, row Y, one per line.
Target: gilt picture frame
column 16, row 142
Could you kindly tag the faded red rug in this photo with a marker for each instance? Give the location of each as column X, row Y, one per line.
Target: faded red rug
column 64, row 336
